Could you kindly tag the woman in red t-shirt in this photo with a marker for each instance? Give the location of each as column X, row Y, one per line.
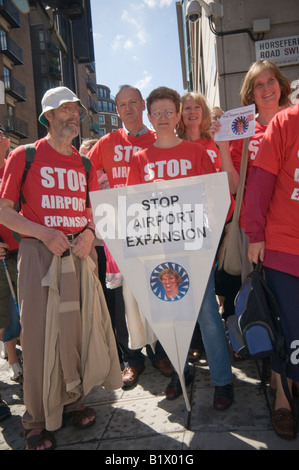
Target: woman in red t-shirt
column 194, row 125
column 171, row 157
column 265, row 86
column 272, row 225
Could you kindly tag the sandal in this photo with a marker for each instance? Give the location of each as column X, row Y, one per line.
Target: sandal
column 76, row 417
column 33, row 442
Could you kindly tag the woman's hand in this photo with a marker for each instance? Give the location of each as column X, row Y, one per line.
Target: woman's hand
column 256, row 251
column 215, row 127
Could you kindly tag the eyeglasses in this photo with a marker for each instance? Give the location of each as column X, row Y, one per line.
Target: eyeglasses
column 160, row 112
column 70, row 108
column 3, row 136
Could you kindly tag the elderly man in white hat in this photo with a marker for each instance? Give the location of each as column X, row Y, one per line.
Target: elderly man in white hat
column 65, row 322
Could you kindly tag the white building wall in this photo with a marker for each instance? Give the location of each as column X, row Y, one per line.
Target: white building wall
column 234, row 53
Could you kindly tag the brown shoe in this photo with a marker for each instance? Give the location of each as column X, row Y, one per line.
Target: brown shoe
column 165, row 367
column 130, row 375
column 283, row 423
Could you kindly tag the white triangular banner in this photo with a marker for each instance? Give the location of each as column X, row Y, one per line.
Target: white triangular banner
column 174, row 225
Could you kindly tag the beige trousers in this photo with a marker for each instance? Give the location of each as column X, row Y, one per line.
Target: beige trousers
column 33, row 264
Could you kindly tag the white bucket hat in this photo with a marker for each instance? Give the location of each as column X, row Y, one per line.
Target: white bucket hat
column 55, row 97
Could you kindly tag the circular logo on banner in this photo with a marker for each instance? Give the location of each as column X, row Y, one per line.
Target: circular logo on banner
column 240, row 125
column 169, row 282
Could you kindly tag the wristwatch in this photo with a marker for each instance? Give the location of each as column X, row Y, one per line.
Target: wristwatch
column 92, row 230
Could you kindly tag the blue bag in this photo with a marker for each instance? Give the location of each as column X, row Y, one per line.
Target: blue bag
column 257, row 317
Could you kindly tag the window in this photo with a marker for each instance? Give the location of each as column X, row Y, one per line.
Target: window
column 42, row 39
column 10, row 111
column 102, row 131
column 46, row 85
column 101, row 119
column 3, row 40
column 10, row 117
column 6, row 77
column 114, row 121
column 102, row 93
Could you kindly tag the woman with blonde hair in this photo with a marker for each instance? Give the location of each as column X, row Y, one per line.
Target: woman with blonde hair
column 194, row 126
column 195, row 123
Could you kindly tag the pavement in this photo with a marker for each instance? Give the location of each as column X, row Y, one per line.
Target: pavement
column 141, row 419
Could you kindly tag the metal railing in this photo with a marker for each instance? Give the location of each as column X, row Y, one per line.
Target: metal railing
column 14, row 88
column 11, row 49
column 16, row 126
column 10, row 13
column 92, row 105
column 94, row 127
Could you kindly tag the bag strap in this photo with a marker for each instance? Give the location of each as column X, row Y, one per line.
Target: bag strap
column 87, row 167
column 30, row 154
column 243, row 172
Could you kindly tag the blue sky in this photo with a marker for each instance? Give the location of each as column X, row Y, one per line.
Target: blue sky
column 136, row 42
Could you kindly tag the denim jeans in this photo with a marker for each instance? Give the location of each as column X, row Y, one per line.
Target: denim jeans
column 213, row 336
column 285, row 288
column 13, row 330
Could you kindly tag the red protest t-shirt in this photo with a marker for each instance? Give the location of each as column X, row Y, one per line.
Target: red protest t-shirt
column 55, row 187
column 279, row 154
column 113, row 153
column 254, row 145
column 236, row 154
column 182, row 161
column 5, row 233
column 213, row 152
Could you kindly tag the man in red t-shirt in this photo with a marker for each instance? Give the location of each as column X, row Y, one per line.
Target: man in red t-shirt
column 113, row 153
column 57, row 239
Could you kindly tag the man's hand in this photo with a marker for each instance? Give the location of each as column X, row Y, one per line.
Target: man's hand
column 81, row 246
column 56, row 241
column 3, row 250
